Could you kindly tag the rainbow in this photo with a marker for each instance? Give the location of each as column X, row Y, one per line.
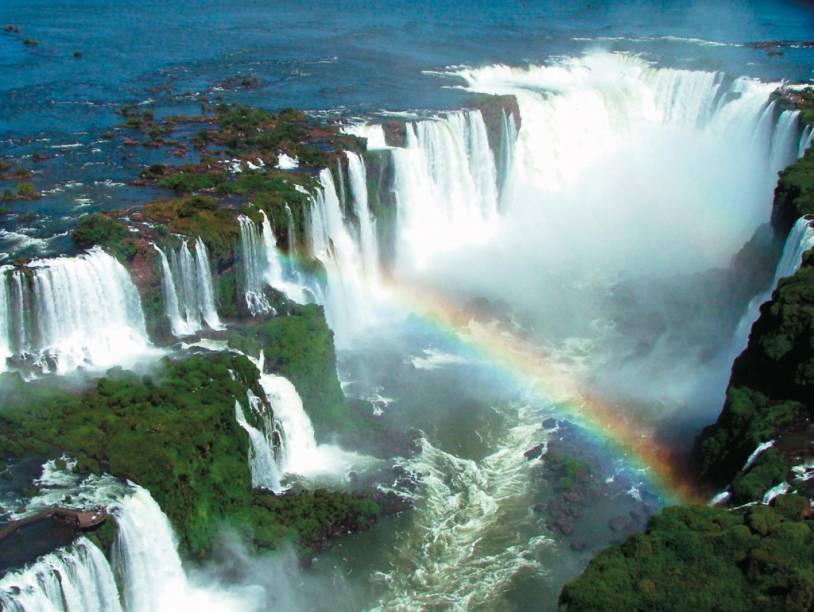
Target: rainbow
column 635, row 441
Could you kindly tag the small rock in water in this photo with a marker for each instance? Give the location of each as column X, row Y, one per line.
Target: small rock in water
column 620, row 523
column 533, row 452
column 550, row 423
column 578, row 545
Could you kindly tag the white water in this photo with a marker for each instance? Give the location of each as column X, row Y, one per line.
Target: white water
column 373, row 133
column 300, row 454
column 186, row 283
column 445, row 184
column 775, row 491
column 805, row 140
column 368, row 240
column 348, row 298
column 799, row 240
column 263, row 264
column 263, row 463
column 508, row 141
column 70, row 312
column 763, row 446
column 611, row 141
column 76, row 578
column 458, row 555
column 145, row 557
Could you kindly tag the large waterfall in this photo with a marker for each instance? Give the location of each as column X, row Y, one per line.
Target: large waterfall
column 445, row 185
column 610, row 140
column 145, row 561
column 62, row 313
column 189, row 299
column 145, row 557
column 74, row 579
column 330, row 240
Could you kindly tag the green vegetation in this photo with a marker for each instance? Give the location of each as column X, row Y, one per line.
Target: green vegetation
column 700, row 558
column 794, row 194
column 27, row 191
column 197, row 216
column 300, row 347
column 175, row 433
column 748, row 419
column 98, row 229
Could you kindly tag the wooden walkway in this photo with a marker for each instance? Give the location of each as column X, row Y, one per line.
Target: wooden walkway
column 80, row 519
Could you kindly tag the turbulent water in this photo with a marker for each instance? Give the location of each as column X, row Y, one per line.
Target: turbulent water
column 62, row 313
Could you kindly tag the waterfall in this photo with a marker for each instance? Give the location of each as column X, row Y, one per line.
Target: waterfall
column 186, row 284
column 253, row 265
column 347, row 299
column 301, row 454
column 6, row 324
column 785, row 140
column 446, row 187
column 799, row 240
column 286, row 443
column 372, row 133
column 265, row 470
column 67, row 312
column 805, row 140
column 508, row 139
column 178, row 324
column 592, row 127
column 77, row 578
column 205, row 291
column 292, row 230
column 368, row 242
column 145, row 557
column 264, row 264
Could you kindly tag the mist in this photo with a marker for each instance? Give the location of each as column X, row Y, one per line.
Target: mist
column 630, row 190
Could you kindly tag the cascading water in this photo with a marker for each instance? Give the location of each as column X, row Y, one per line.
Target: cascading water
column 347, row 298
column 287, row 443
column 253, row 264
column 77, row 578
column 368, row 242
column 595, row 127
column 263, row 264
column 264, row 465
column 805, row 140
column 300, row 453
column 145, row 575
column 186, row 282
column 445, row 185
column 799, row 240
column 146, row 560
column 67, row 312
column 508, row 140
